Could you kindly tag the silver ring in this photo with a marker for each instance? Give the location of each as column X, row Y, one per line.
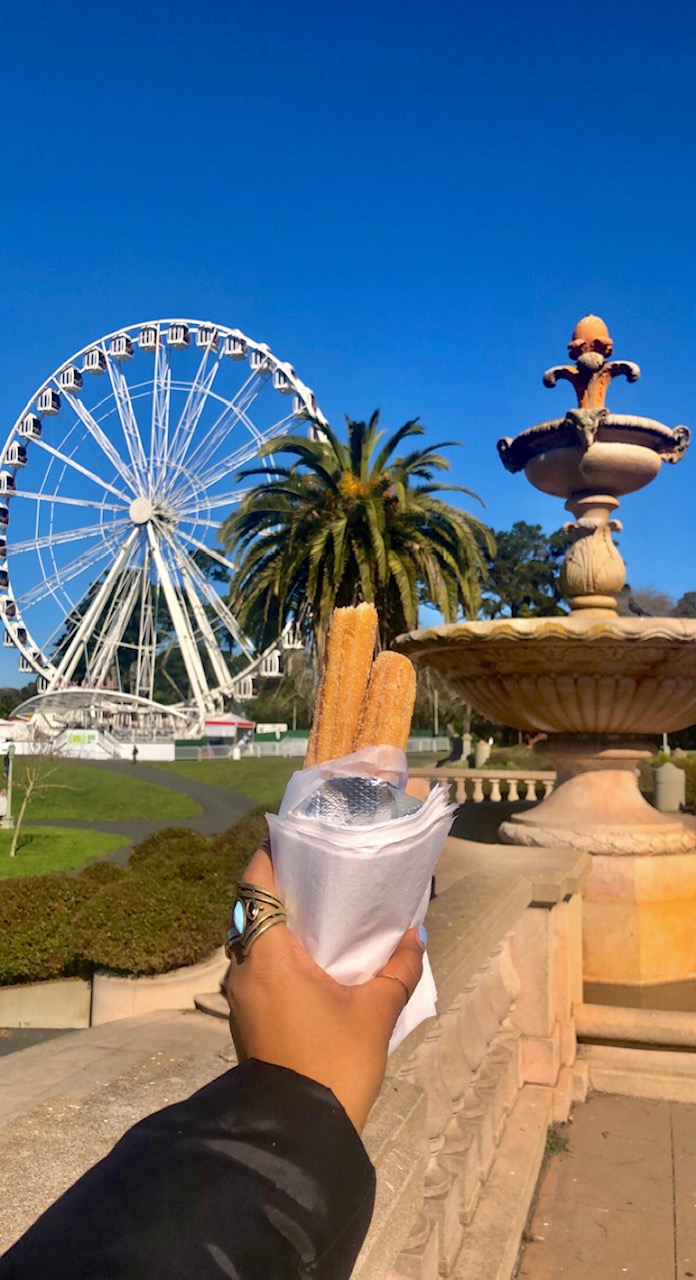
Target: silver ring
column 254, row 911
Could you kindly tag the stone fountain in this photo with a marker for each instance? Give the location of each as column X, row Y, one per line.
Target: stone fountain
column 597, row 684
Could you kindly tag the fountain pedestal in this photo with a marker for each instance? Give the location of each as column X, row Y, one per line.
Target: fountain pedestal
column 639, row 901
column 597, row 806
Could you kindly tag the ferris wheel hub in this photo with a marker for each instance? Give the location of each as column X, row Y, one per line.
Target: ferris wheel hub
column 141, row 510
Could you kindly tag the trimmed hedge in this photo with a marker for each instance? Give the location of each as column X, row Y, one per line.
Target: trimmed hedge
column 170, row 908
column 37, row 937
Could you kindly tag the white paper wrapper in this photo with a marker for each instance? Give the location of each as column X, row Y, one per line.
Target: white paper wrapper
column 352, row 891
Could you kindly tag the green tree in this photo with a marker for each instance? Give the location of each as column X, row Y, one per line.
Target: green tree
column 523, row 573
column 685, row 606
column 350, row 520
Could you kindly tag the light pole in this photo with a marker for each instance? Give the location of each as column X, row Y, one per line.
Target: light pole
column 7, row 819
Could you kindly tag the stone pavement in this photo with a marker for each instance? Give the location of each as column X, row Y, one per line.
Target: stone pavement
column 620, row 1203
column 63, row 1105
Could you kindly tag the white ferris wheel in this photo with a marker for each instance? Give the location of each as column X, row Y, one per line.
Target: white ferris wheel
column 114, row 482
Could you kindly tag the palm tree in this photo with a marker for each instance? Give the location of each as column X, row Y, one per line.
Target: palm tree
column 348, row 521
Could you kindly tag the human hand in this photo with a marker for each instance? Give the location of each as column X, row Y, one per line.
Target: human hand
column 285, row 1010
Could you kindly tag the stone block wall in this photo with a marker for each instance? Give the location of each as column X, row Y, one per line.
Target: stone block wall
column 459, row 1131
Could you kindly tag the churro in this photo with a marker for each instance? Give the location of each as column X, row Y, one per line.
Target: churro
column 337, row 711
column 388, row 706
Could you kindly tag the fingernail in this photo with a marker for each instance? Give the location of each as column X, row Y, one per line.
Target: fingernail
column 423, row 935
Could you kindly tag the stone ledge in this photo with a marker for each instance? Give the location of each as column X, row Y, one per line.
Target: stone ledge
column 76, row 1003
column 490, row 1246
column 394, row 1141
column 554, row 873
column 640, row 1073
column 62, row 1002
column 114, row 998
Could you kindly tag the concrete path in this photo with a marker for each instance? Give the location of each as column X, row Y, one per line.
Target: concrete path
column 620, row 1203
column 63, row 1105
column 219, row 809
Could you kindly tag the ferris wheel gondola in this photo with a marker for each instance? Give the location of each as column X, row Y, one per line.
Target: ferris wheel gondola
column 114, row 481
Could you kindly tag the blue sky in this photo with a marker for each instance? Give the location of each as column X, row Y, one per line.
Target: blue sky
column 413, row 204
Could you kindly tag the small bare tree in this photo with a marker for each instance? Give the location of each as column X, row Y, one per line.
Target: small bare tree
column 33, row 782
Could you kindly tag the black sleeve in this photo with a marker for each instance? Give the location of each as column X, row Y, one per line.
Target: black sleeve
column 258, row 1176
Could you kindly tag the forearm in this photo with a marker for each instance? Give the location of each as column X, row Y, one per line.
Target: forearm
column 259, row 1176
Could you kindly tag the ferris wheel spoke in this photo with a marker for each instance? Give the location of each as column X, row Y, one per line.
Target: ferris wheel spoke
column 101, row 438
column 182, row 626
column 215, row 655
column 129, row 422
column 115, row 622
column 65, row 668
column 212, row 504
column 221, row 610
column 209, row 551
column 147, row 634
column 193, row 408
column 69, row 535
column 77, row 466
column 161, row 398
column 65, row 573
column 229, row 465
column 67, row 502
column 233, row 414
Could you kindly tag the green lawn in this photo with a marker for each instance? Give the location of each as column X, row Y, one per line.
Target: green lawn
column 45, row 849
column 86, row 791
column 262, row 781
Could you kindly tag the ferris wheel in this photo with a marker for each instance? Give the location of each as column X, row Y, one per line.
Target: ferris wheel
column 114, row 482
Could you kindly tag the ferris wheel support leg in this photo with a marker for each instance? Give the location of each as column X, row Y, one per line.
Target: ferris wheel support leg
column 189, row 649
column 71, row 657
column 217, row 661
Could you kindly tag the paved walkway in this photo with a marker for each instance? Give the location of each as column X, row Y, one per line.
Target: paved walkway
column 620, row 1203
column 64, row 1105
column 219, row 809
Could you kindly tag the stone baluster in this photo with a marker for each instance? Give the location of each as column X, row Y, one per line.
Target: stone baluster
column 530, row 793
column 485, row 1012
column 477, row 797
column 454, row 1061
column 512, row 793
column 461, row 791
column 499, row 994
column 548, row 787
column 495, row 795
column 442, row 1188
column 507, row 969
column 420, row 1259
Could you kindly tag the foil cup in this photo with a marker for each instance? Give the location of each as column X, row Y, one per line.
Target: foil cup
column 356, row 802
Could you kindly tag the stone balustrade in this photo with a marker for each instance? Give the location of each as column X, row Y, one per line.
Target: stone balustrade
column 484, row 784
column 459, row 1131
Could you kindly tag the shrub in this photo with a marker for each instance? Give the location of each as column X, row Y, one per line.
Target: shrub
column 101, row 873
column 170, row 839
column 37, row 939
column 244, row 836
column 148, row 924
column 170, row 908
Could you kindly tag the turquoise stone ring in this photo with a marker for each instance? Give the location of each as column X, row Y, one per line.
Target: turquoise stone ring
column 254, row 911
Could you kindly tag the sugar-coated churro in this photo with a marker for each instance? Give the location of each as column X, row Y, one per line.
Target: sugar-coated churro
column 388, row 705
column 349, row 651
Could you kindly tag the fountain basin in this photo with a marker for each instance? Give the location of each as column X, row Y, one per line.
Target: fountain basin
column 589, row 673
column 593, row 451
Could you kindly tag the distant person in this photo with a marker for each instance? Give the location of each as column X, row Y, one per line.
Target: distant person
column 456, row 751
column 135, row 754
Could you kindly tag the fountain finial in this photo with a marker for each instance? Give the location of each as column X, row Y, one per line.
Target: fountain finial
column 591, row 457
column 589, row 347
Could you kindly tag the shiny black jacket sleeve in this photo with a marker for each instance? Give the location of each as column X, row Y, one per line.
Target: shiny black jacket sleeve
column 258, row 1176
